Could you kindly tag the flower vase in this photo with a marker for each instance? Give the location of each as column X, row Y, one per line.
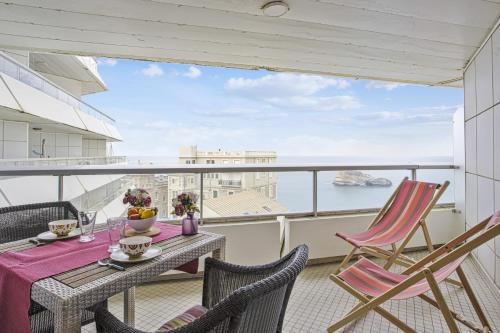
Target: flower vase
column 189, row 225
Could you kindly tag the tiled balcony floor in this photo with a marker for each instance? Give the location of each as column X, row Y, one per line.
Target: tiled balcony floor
column 316, row 302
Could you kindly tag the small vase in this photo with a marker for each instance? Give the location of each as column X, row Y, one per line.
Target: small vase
column 189, row 225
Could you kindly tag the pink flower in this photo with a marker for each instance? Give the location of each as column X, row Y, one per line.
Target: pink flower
column 179, row 210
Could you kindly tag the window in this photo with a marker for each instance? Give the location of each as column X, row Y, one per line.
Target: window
column 193, row 161
column 225, row 162
column 230, row 193
column 215, row 194
column 236, row 161
column 188, row 162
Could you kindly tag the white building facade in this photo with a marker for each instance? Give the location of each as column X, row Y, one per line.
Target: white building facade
column 43, row 121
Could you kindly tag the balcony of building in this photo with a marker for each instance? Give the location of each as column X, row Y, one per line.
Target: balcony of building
column 437, row 43
column 31, row 96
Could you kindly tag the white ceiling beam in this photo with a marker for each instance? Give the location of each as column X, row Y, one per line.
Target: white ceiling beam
column 317, row 38
column 223, row 60
column 327, row 55
column 320, row 16
column 448, row 11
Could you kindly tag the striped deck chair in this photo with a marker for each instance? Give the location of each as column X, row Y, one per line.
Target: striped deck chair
column 373, row 285
column 399, row 219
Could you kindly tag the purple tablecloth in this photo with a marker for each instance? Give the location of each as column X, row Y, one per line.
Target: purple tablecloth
column 19, row 270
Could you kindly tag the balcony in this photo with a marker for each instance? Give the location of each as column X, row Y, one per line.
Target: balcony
column 448, row 43
column 315, row 303
column 69, row 161
column 26, row 75
column 314, row 227
column 230, row 183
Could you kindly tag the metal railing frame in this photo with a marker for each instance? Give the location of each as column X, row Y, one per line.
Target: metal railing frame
column 62, row 171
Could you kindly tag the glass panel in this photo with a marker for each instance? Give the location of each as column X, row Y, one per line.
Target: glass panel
column 163, row 188
column 256, row 193
column 295, row 191
column 342, row 190
column 50, row 90
column 440, row 176
column 30, row 79
column 10, row 69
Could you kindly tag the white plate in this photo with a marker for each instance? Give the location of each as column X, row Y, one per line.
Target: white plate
column 49, row 236
column 120, row 256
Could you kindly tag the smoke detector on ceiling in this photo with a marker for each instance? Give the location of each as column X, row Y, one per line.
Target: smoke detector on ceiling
column 275, row 8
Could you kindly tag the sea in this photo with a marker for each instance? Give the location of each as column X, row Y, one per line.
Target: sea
column 295, row 189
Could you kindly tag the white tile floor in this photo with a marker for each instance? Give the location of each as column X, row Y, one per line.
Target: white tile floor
column 316, row 302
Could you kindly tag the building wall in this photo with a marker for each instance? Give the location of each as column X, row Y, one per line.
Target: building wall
column 94, row 148
column 482, row 146
column 56, row 144
column 13, row 139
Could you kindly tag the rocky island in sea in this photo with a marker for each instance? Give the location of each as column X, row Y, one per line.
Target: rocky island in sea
column 357, row 178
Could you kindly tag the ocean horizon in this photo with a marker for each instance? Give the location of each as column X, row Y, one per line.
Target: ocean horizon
column 294, row 189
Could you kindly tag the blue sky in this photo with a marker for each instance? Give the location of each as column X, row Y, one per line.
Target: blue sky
column 161, row 106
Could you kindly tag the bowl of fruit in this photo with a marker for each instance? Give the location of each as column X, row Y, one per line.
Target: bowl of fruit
column 142, row 218
column 140, row 215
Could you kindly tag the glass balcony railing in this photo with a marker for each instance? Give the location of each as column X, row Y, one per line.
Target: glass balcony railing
column 69, row 161
column 26, row 75
column 247, row 192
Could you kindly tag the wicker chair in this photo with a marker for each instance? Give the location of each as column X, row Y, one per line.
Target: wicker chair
column 19, row 222
column 237, row 298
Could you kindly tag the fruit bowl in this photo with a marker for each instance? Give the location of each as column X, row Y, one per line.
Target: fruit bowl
column 142, row 225
column 141, row 219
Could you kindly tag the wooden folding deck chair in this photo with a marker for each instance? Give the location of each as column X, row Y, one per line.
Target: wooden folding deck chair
column 399, row 219
column 373, row 285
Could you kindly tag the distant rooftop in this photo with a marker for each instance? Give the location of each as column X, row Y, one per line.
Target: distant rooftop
column 248, row 202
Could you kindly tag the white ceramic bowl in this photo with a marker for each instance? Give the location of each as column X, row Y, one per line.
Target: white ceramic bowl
column 142, row 225
column 62, row 227
column 135, row 246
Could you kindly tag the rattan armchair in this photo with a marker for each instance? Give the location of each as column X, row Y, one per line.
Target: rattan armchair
column 24, row 221
column 243, row 299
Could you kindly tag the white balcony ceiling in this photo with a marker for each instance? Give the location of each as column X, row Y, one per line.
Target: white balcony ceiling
column 424, row 41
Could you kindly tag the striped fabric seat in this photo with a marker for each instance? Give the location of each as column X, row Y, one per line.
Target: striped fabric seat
column 405, row 211
column 183, row 319
column 370, row 279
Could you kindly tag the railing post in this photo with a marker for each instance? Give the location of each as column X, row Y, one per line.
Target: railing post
column 413, row 174
column 315, row 192
column 201, row 198
column 60, row 188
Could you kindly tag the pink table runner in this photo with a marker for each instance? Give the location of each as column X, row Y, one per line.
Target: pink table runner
column 19, row 270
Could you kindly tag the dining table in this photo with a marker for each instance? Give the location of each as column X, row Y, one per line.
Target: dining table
column 67, row 294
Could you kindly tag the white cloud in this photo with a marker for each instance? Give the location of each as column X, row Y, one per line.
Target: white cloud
column 296, row 91
column 107, row 62
column 284, row 84
column 163, row 138
column 152, row 70
column 384, row 85
column 318, row 103
column 240, row 112
column 377, row 147
column 192, row 72
column 428, row 115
